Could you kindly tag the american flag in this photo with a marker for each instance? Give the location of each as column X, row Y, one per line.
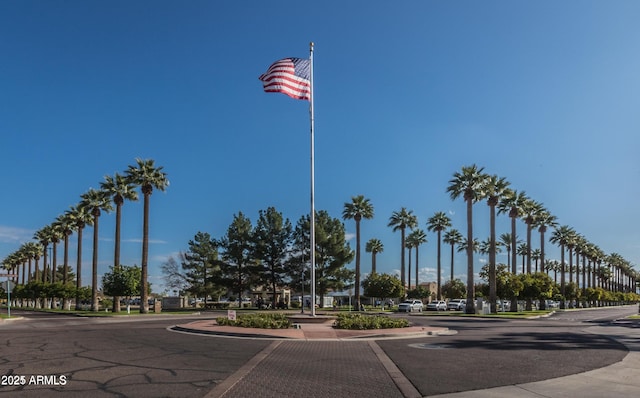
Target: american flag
column 290, row 76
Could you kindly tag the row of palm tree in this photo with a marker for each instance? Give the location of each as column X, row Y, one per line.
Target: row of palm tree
column 473, row 185
column 113, row 190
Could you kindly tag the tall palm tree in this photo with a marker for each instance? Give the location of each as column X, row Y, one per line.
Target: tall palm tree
column 561, row 236
column 120, row 189
column 95, row 201
column 56, row 235
column 571, row 244
column 409, row 244
column 543, row 220
column 64, row 224
column 33, row 250
column 505, row 240
column 416, row 237
column 438, row 223
column 44, row 236
column 495, row 188
column 80, row 216
column 359, row 208
column 400, row 221
column 535, row 256
column 468, row 183
column 452, row 237
column 580, row 249
column 147, row 176
column 530, row 211
column 374, row 246
column 463, row 246
column 522, row 250
column 512, row 203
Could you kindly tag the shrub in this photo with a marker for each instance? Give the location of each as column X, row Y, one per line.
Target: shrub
column 262, row 321
column 366, row 322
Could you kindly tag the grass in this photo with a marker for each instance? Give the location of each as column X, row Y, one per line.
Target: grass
column 504, row 315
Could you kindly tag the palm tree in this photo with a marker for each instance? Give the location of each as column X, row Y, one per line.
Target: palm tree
column 43, row 236
column 374, row 246
column 120, row 189
column 147, row 176
column 56, row 235
column 468, row 183
column 495, row 188
column 571, row 244
column 552, row 265
column 416, row 238
column 561, row 236
column 505, row 240
column 463, row 246
column 512, row 202
column 409, row 245
column 356, row 210
column 438, row 223
column 530, row 211
column 401, row 220
column 543, row 220
column 64, row 225
column 452, row 237
column 95, row 201
column 522, row 250
column 581, row 247
column 80, row 216
column 535, row 256
column 33, row 250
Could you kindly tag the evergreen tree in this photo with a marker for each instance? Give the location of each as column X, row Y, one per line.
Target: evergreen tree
column 238, row 265
column 200, row 263
column 332, row 252
column 272, row 239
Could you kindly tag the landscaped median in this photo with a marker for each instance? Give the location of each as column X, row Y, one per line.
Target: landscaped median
column 351, row 321
column 329, row 326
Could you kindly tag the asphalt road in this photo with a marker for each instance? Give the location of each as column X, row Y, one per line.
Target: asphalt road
column 139, row 357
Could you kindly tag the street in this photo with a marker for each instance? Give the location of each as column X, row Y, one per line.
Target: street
column 138, row 357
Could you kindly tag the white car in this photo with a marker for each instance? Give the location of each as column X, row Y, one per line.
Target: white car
column 437, row 305
column 456, row 304
column 410, row 306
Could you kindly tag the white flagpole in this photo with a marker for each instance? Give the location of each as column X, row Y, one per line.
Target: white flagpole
column 313, row 211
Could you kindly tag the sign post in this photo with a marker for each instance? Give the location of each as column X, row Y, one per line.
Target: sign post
column 9, row 291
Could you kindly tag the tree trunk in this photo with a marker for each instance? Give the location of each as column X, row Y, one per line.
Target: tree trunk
column 470, row 306
column 144, row 297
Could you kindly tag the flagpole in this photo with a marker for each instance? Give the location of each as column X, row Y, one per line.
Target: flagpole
column 313, row 212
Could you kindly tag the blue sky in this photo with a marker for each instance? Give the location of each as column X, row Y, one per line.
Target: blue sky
column 543, row 93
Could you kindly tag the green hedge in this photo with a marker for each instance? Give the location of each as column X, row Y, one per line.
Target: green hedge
column 262, row 321
column 367, row 322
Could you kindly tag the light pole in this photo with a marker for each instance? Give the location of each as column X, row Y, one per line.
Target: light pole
column 302, row 284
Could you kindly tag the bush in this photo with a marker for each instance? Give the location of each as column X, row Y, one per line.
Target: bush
column 262, row 321
column 367, row 322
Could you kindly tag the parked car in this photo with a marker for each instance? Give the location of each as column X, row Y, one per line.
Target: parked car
column 456, row 304
column 437, row 305
column 410, row 306
column 551, row 304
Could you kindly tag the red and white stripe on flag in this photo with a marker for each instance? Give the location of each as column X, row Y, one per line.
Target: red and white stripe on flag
column 290, row 76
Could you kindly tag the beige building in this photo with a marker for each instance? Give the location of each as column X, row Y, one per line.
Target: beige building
column 431, row 286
